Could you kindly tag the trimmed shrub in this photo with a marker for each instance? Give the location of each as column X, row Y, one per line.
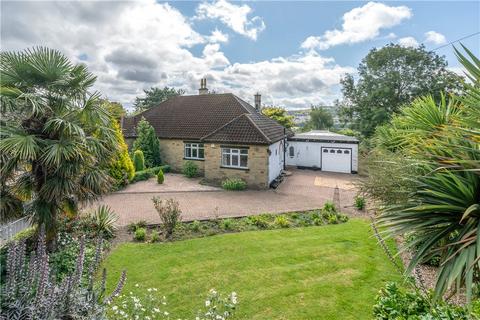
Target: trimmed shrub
column 234, row 184
column 190, row 169
column 169, row 213
column 359, row 202
column 149, row 173
column 282, row 222
column 138, row 160
column 148, row 142
column 160, row 177
column 140, row 234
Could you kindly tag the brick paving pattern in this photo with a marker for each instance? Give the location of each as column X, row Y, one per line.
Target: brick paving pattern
column 300, row 191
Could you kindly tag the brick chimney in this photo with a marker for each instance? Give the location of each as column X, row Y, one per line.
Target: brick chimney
column 258, row 101
column 203, row 86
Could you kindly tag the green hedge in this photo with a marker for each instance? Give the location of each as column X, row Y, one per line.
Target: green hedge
column 149, row 173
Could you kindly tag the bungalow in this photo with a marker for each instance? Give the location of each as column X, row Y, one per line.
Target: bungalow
column 224, row 135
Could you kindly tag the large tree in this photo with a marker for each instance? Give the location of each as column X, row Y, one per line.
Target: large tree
column 148, row 142
column 436, row 177
column 389, row 78
column 55, row 136
column 320, row 119
column 280, row 115
column 154, row 96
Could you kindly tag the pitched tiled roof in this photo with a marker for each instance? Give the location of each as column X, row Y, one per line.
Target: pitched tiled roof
column 213, row 117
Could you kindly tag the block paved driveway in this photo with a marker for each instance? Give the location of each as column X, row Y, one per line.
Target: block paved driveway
column 302, row 190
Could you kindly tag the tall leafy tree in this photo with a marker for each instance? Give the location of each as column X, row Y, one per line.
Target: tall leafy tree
column 280, row 115
column 148, row 142
column 320, row 119
column 115, row 108
column 55, row 136
column 154, row 96
column 389, row 78
column 442, row 140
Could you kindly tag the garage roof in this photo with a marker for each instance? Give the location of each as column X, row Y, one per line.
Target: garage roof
column 323, row 136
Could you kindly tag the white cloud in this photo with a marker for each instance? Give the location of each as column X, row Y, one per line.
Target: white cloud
column 360, row 24
column 408, row 42
column 235, row 17
column 435, row 38
column 130, row 46
column 218, row 36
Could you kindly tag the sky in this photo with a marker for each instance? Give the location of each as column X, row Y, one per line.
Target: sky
column 292, row 52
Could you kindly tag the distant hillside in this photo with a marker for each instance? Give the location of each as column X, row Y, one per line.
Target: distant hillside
column 301, row 116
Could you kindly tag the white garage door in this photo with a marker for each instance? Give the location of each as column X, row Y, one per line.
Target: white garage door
column 336, row 159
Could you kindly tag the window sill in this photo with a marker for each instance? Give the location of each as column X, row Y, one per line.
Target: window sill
column 235, row 168
column 193, row 159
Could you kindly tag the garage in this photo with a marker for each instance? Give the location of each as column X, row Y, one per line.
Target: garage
column 323, row 150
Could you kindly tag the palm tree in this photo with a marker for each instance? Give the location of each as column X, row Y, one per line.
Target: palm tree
column 444, row 209
column 55, row 135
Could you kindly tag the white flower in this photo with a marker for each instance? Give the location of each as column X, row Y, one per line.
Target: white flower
column 156, row 310
column 233, row 297
column 147, row 318
column 114, row 308
column 149, row 289
column 207, row 303
column 166, row 313
column 136, row 285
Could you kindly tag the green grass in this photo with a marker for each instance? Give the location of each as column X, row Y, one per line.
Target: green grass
column 326, row 272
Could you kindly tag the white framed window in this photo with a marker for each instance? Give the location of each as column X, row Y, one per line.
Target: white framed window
column 194, row 151
column 235, row 158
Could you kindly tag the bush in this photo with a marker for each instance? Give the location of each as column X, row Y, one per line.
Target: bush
column 138, row 160
column 149, row 173
column 121, row 167
column 227, row 224
column 132, row 227
column 359, row 202
column 169, row 213
column 103, row 221
column 195, row 226
column 258, row 221
column 282, row 222
column 234, row 184
column 154, row 236
column 148, row 142
column 393, row 302
column 140, row 234
column 343, row 217
column 329, row 207
column 190, row 169
column 160, row 177
column 31, row 290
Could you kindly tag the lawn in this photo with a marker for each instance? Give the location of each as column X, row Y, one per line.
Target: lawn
column 326, row 272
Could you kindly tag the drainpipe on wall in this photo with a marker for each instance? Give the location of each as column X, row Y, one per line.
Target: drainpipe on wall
column 284, row 149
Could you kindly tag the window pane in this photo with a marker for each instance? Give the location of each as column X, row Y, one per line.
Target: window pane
column 325, row 150
column 235, row 160
column 292, row 151
column 243, row 161
column 234, row 151
column 243, row 151
column 346, row 152
column 194, row 153
column 226, row 150
column 201, row 153
column 339, row 151
column 226, row 160
column 188, row 153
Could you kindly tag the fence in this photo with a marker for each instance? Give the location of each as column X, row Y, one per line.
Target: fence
column 9, row 230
